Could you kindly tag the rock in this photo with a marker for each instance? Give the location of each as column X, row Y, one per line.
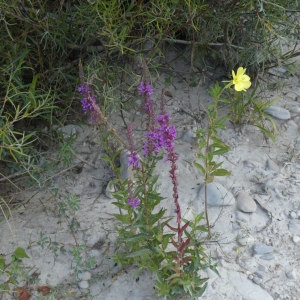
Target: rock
column 246, row 288
column 296, row 239
column 109, row 190
column 127, row 171
column 293, row 215
column 257, row 280
column 242, row 217
column 217, row 195
column 278, row 112
column 271, row 165
column 245, row 240
column 259, row 274
column 268, row 256
column 85, row 276
column 291, row 274
column 70, row 130
column 245, row 203
column 294, row 226
column 188, row 136
column 83, row 284
column 262, row 249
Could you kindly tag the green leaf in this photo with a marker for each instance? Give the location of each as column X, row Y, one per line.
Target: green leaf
column 2, row 264
column 201, row 228
column 121, row 205
column 20, row 253
column 221, row 172
column 139, row 252
column 155, row 217
column 199, row 167
column 151, row 196
column 125, row 219
column 136, row 237
column 201, row 291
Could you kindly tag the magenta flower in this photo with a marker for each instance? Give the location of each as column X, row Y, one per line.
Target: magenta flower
column 133, row 158
column 89, row 104
column 145, row 88
column 134, row 202
column 160, row 138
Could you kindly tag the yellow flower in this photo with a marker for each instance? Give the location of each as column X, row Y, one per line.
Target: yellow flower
column 240, row 80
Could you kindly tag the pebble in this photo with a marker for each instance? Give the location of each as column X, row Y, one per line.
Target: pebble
column 259, row 274
column 294, row 226
column 296, row 239
column 242, row 217
column 291, row 274
column 217, row 195
column 245, row 203
column 257, row 280
column 278, row 112
column 127, row 171
column 84, row 276
column 69, row 130
column 262, row 249
column 268, row 256
column 188, row 136
column 245, row 240
column 262, row 268
column 271, row 165
column 293, row 215
column 109, row 190
column 83, row 284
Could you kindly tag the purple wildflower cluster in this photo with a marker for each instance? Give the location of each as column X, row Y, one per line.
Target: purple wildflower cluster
column 134, row 202
column 89, row 104
column 133, row 158
column 162, row 137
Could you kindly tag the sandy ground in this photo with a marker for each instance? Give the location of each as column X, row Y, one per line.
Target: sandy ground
column 268, row 172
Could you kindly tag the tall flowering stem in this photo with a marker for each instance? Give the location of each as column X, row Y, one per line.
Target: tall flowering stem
column 90, row 106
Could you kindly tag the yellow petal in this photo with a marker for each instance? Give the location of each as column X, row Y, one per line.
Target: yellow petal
column 241, row 71
column 233, row 74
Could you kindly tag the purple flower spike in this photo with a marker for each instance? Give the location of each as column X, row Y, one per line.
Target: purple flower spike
column 89, row 104
column 145, row 88
column 134, row 202
column 133, row 160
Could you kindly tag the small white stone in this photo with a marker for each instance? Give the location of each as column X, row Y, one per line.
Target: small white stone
column 83, row 284
column 84, row 276
column 109, row 190
column 291, row 274
column 250, row 277
column 293, row 215
column 296, row 239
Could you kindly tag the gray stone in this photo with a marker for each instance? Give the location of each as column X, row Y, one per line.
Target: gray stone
column 262, row 268
column 85, row 276
column 291, row 274
column 217, row 195
column 127, row 171
column 242, row 217
column 278, row 112
column 69, row 130
column 257, row 280
column 269, row 256
column 83, row 284
column 246, row 288
column 259, row 274
column 294, row 226
column 293, row 215
column 109, row 190
column 262, row 249
column 296, row 239
column 245, row 203
column 271, row 165
column 188, row 136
